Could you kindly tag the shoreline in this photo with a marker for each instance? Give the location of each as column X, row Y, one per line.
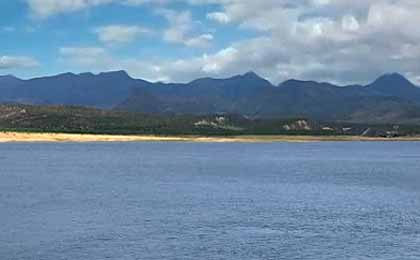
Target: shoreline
column 21, row 137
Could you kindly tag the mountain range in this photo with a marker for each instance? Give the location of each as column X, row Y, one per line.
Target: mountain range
column 389, row 99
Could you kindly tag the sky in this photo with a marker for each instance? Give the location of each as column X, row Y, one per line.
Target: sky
column 339, row 41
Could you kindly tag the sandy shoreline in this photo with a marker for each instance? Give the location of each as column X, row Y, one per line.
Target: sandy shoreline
column 62, row 137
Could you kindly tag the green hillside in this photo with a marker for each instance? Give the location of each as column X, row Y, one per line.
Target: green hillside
column 71, row 119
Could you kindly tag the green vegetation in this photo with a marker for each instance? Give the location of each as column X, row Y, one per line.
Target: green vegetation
column 72, row 119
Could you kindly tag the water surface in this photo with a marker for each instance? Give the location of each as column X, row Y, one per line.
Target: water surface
column 326, row 200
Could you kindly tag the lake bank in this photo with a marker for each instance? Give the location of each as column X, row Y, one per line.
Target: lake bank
column 65, row 137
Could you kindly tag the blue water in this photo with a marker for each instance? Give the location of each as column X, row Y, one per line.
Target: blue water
column 210, row 201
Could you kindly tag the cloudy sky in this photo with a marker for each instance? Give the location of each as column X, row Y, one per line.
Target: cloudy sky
column 179, row 40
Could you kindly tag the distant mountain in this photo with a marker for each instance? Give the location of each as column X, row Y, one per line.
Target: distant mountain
column 103, row 90
column 253, row 96
column 8, row 85
column 9, row 80
column 201, row 96
column 396, row 85
column 390, row 98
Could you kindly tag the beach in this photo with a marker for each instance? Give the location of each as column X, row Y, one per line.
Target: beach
column 69, row 137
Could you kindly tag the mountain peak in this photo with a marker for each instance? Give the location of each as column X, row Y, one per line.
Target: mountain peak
column 86, row 74
column 9, row 77
column 9, row 80
column 66, row 74
column 251, row 74
column 397, row 85
column 395, row 79
column 251, row 79
column 116, row 73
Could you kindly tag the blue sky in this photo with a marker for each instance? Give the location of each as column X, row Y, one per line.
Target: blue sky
column 180, row 40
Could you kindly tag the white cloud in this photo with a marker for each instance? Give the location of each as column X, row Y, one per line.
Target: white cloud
column 338, row 40
column 120, row 34
column 350, row 23
column 17, row 62
column 85, row 51
column 45, row 8
column 182, row 30
column 225, row 62
column 219, row 17
column 180, row 24
column 200, row 41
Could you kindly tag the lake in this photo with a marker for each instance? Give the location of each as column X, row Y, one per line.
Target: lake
column 321, row 200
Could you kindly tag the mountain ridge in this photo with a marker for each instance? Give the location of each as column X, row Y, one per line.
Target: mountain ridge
column 249, row 74
column 390, row 96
